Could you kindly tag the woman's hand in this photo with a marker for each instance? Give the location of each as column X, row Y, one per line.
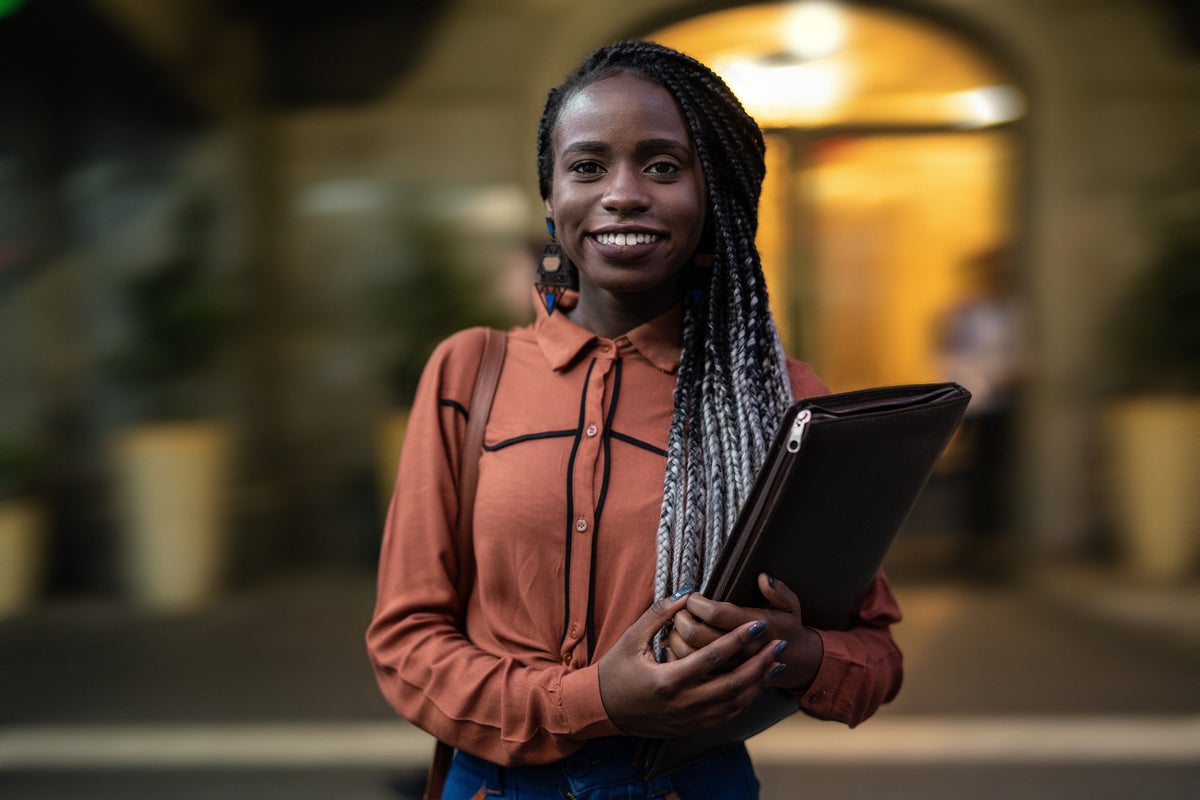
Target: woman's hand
column 708, row 686
column 703, row 621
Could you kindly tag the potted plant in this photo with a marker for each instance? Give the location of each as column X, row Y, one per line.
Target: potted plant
column 23, row 545
column 171, row 463
column 429, row 293
column 1155, row 419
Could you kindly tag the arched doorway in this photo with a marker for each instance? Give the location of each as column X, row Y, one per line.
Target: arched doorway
column 892, row 161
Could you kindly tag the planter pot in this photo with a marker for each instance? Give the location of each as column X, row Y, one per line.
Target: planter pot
column 1156, row 473
column 22, row 555
column 172, row 487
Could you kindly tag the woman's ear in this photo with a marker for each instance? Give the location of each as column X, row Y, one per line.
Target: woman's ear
column 549, row 207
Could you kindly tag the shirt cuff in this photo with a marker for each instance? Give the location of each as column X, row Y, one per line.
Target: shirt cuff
column 820, row 698
column 582, row 706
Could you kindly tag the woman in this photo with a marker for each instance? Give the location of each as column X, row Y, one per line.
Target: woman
column 627, row 426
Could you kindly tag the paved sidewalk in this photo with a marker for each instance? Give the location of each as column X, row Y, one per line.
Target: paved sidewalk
column 1070, row 642
column 1067, row 684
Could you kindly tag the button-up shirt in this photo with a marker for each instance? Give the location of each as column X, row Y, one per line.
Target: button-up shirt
column 562, row 556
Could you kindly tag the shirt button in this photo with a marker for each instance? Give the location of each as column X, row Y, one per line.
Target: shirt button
column 592, row 430
column 566, row 659
column 581, row 524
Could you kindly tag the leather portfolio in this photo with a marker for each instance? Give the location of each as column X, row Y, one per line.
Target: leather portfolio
column 841, row 476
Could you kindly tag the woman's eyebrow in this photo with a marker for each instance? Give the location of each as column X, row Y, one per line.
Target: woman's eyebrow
column 665, row 144
column 585, row 146
column 643, row 146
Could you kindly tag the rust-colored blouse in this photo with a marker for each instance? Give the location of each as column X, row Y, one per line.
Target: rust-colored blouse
column 570, row 486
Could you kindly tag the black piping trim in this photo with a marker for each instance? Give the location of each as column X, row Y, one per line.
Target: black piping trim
column 457, row 406
column 528, row 437
column 591, row 606
column 571, row 501
column 638, row 443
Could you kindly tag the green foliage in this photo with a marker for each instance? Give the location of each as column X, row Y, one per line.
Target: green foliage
column 178, row 316
column 1158, row 324
column 430, row 294
column 21, row 469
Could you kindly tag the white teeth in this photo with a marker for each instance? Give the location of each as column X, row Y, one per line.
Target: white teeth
column 625, row 239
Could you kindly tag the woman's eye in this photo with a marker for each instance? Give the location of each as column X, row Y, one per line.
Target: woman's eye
column 663, row 168
column 586, row 168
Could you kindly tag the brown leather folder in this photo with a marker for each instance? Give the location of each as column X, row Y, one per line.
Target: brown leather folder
column 842, row 474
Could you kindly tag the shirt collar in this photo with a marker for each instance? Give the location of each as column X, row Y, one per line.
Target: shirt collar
column 562, row 341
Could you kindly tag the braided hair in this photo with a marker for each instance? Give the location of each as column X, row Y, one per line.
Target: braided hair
column 732, row 384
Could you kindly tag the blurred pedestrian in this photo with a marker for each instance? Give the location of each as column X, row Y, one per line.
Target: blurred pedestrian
column 628, row 423
column 981, row 348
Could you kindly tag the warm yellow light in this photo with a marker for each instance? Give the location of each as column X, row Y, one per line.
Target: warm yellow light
column 773, row 91
column 814, row 29
column 987, row 105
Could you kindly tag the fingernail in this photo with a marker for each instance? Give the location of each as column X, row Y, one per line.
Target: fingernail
column 758, row 628
column 662, row 655
column 779, row 648
column 684, row 591
column 779, row 668
column 770, row 580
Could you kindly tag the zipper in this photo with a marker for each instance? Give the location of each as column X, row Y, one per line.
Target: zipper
column 797, row 431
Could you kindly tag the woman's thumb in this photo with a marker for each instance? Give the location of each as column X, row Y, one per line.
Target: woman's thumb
column 662, row 610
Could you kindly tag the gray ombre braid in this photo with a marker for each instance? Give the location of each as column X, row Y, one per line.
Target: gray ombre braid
column 733, row 383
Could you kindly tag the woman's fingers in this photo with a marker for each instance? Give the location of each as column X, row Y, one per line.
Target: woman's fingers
column 718, row 658
column 721, row 616
column 717, row 685
column 778, row 594
column 689, row 634
column 660, row 612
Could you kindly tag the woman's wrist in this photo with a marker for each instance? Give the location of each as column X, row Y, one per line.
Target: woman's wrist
column 803, row 659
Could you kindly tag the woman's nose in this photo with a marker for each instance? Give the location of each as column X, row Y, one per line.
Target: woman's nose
column 625, row 193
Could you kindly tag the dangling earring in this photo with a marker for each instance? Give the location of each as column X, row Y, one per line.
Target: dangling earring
column 553, row 274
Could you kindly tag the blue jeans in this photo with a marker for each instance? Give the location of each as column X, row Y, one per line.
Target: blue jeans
column 603, row 770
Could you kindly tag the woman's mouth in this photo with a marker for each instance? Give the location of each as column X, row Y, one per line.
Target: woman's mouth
column 625, row 239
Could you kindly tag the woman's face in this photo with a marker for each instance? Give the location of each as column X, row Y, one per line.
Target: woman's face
column 627, row 195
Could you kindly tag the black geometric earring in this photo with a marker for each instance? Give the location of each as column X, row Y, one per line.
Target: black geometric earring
column 553, row 274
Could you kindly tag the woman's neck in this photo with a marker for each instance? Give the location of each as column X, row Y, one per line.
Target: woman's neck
column 611, row 315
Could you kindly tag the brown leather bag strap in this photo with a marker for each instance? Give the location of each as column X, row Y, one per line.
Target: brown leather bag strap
column 486, row 381
column 443, row 754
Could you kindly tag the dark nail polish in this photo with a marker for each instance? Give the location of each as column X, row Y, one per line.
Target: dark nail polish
column 777, row 671
column 684, row 591
column 779, row 648
column 770, row 580
column 662, row 655
column 758, row 628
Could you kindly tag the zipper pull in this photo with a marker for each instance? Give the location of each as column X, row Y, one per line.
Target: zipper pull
column 797, row 431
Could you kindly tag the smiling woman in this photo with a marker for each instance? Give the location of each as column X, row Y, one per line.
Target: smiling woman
column 628, row 422
column 626, row 202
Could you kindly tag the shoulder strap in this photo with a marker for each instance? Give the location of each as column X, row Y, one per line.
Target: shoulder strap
column 486, row 381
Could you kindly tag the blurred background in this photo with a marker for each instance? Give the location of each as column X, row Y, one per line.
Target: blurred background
column 232, row 230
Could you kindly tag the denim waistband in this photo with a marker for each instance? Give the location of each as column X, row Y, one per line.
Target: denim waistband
column 603, row 765
column 608, row 760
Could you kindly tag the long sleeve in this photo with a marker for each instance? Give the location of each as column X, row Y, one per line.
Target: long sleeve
column 499, row 706
column 862, row 667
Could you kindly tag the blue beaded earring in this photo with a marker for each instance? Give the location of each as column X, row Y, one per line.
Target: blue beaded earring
column 554, row 272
